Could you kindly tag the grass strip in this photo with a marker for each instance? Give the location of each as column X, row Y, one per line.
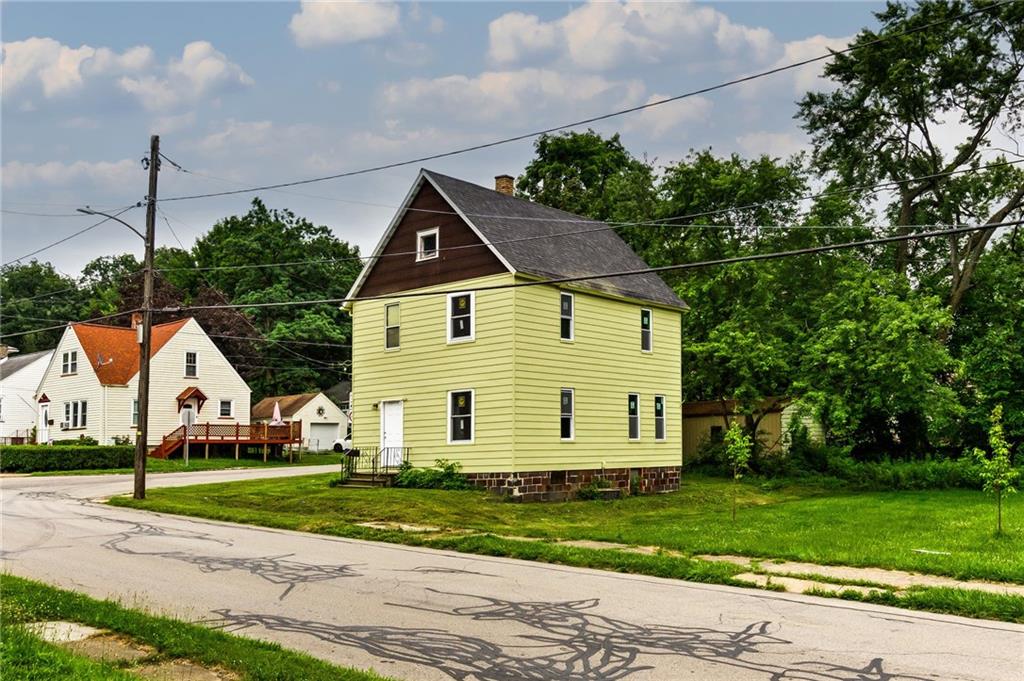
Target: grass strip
column 28, row 601
column 27, row 657
column 941, row 599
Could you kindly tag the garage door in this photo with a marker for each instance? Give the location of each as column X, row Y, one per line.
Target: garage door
column 322, row 435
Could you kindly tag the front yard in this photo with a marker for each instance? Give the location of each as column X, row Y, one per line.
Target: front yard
column 948, row 532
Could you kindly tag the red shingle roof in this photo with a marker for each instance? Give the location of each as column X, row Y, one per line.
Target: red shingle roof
column 113, row 351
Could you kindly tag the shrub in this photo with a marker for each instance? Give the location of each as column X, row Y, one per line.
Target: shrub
column 80, row 441
column 444, row 475
column 592, row 490
column 31, row 458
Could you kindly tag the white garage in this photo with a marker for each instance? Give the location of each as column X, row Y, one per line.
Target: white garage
column 323, row 422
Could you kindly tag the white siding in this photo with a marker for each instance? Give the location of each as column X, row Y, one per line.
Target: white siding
column 18, row 392
column 217, row 379
column 307, row 415
column 82, row 385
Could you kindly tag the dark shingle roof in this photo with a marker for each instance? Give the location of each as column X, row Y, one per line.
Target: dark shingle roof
column 264, row 409
column 16, row 363
column 501, row 218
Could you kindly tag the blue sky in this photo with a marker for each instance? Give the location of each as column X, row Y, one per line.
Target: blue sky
column 252, row 93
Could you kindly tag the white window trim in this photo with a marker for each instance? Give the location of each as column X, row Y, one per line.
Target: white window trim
column 572, row 317
column 420, row 253
column 572, row 416
column 472, row 416
column 472, row 317
column 386, row 327
column 184, row 364
column 664, row 419
column 229, row 416
column 639, row 420
column 70, row 413
column 650, row 314
column 69, row 363
column 132, row 415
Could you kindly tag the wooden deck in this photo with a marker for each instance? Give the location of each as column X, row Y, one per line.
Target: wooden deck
column 237, row 434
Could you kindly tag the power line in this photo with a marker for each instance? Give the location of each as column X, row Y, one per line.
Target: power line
column 606, row 226
column 36, row 297
column 626, row 273
column 41, row 215
column 602, row 117
column 70, row 323
column 68, row 237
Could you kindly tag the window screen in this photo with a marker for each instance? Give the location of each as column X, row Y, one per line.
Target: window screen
column 646, row 340
column 567, row 414
column 634, row 416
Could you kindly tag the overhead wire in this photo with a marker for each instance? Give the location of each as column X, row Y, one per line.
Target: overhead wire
column 602, row 117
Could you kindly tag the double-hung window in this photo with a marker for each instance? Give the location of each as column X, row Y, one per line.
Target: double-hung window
column 392, row 327
column 227, row 409
column 135, row 412
column 646, row 335
column 659, row 417
column 427, row 244
column 191, row 365
column 460, row 317
column 634, row 416
column 69, row 362
column 567, row 330
column 567, row 420
column 460, row 416
column 75, row 413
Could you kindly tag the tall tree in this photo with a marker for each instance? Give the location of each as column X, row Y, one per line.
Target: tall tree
column 895, row 100
column 35, row 295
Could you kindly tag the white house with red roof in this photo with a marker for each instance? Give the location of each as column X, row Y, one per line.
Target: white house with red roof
column 90, row 387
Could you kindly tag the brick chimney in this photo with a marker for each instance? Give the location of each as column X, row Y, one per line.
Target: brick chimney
column 136, row 320
column 504, row 184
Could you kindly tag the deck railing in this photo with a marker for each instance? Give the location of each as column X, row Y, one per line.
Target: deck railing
column 374, row 461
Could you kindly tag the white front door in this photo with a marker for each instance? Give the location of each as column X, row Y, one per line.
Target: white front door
column 43, row 432
column 188, row 414
column 391, row 433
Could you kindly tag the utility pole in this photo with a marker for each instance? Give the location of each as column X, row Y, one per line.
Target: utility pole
column 146, row 331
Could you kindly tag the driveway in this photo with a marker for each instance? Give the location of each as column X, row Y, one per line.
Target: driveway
column 424, row 614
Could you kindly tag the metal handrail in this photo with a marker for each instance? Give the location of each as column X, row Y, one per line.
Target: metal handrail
column 375, row 461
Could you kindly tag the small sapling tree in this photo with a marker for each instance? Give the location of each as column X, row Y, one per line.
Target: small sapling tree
column 738, row 447
column 997, row 472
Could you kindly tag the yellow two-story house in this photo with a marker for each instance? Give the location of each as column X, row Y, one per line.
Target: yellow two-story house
column 478, row 338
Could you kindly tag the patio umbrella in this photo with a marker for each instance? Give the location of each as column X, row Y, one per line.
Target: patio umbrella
column 276, row 420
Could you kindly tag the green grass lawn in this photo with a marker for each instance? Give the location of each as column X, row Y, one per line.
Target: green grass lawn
column 198, row 463
column 795, row 521
column 24, row 656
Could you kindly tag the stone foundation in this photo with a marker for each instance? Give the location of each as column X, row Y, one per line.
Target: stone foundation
column 558, row 485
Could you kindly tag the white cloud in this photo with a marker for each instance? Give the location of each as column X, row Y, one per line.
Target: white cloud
column 658, row 120
column 802, row 79
column 202, row 71
column 109, row 174
column 775, row 144
column 507, row 96
column 165, row 125
column 516, row 34
column 60, row 69
column 409, row 53
column 605, row 35
column 327, row 23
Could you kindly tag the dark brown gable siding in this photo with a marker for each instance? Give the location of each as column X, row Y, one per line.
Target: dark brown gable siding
column 403, row 273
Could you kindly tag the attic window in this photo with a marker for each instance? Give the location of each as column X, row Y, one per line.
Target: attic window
column 427, row 247
column 69, row 363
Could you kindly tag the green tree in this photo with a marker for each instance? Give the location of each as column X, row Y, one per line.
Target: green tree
column 35, row 295
column 738, row 447
column 873, row 367
column 586, row 174
column 997, row 471
column 891, row 105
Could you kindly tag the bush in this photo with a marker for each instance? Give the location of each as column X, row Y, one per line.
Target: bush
column 80, row 441
column 592, row 490
column 32, row 458
column 444, row 475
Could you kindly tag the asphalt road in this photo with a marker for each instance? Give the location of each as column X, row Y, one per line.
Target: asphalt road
column 422, row 614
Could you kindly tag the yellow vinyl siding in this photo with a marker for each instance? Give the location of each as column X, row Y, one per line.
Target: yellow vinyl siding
column 603, row 364
column 426, row 367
